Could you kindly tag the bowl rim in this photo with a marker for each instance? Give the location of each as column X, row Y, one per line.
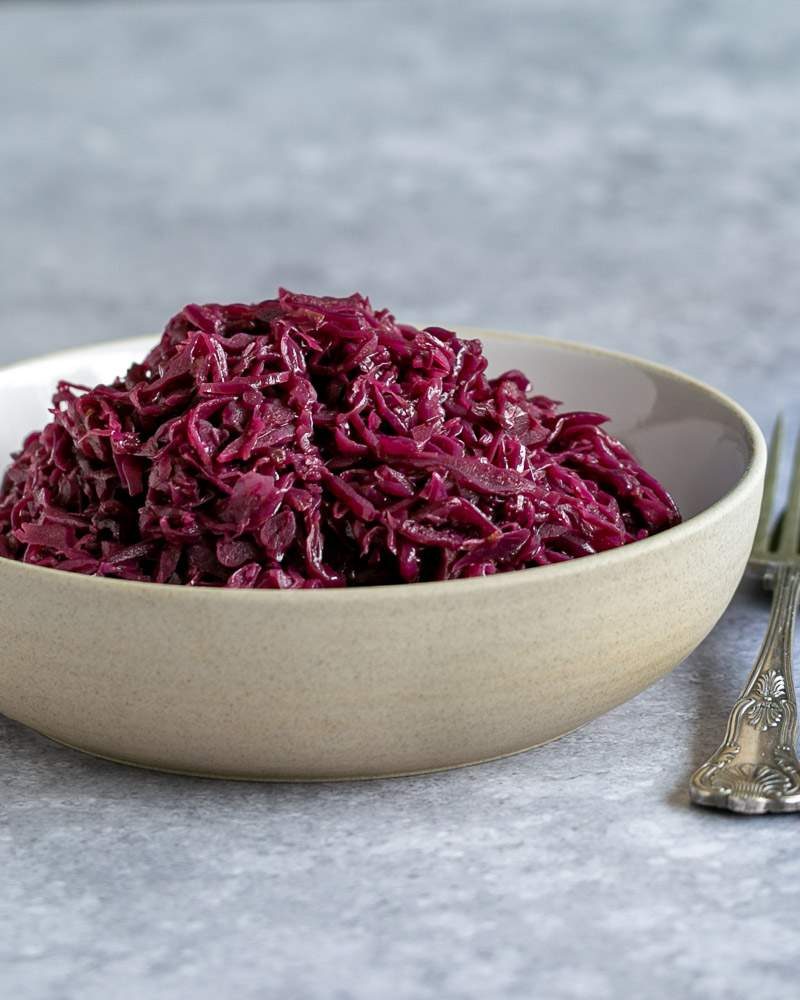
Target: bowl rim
column 597, row 561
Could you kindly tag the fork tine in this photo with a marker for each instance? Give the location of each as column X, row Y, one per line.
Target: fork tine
column 789, row 544
column 762, row 540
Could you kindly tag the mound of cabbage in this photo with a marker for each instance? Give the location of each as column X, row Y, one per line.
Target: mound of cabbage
column 310, row 442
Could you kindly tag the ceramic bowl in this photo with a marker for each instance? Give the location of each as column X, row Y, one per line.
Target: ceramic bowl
column 388, row 680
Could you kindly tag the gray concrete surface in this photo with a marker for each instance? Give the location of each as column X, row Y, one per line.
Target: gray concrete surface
column 623, row 174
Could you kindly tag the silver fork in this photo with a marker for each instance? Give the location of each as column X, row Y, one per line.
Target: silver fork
column 756, row 769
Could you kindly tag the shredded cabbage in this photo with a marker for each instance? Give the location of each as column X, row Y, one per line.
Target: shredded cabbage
column 315, row 442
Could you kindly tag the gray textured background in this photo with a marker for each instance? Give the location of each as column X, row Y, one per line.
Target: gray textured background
column 620, row 173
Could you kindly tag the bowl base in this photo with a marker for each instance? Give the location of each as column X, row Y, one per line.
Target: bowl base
column 300, row 779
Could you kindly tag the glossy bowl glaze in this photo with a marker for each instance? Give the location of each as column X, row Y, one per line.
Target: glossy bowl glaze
column 388, row 680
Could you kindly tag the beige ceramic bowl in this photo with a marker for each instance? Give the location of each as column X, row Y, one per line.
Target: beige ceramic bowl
column 388, row 680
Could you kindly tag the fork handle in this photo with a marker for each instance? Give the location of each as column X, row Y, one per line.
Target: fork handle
column 776, row 652
column 756, row 769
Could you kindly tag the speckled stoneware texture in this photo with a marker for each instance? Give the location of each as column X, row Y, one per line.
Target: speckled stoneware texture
column 388, row 680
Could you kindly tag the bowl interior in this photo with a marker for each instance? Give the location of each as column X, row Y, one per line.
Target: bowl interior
column 686, row 435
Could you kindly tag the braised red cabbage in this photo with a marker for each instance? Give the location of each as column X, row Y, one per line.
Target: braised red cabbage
column 316, row 442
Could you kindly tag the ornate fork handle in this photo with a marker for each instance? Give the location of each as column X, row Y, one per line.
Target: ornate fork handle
column 756, row 769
